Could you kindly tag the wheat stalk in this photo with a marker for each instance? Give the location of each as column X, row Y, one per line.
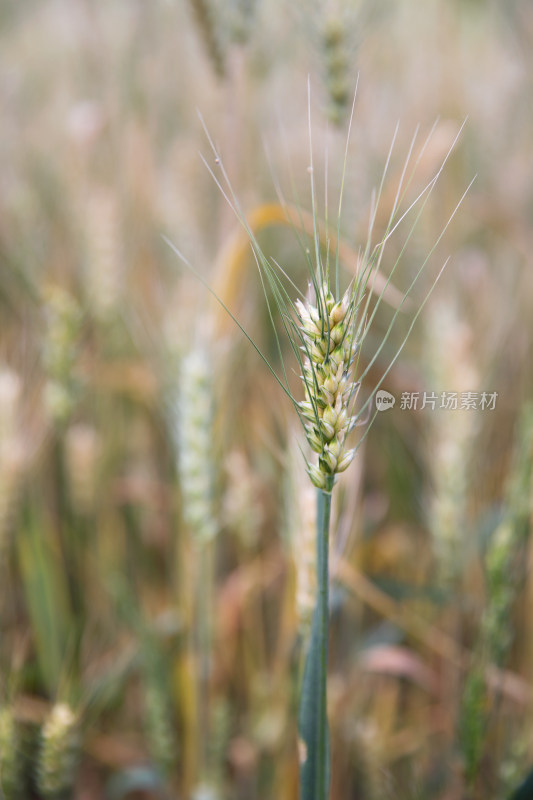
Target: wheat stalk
column 195, row 442
column 326, row 331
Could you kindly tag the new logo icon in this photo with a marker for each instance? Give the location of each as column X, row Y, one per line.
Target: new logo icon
column 384, row 400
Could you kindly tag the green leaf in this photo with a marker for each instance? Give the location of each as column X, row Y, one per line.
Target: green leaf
column 46, row 595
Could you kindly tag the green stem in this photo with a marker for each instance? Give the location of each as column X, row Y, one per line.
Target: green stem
column 313, row 723
column 203, row 632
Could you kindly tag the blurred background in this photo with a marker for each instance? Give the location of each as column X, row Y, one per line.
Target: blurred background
column 156, row 522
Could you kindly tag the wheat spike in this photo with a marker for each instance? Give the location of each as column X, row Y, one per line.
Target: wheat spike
column 58, row 758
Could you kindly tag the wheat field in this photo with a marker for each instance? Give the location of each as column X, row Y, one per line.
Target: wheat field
column 171, row 174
